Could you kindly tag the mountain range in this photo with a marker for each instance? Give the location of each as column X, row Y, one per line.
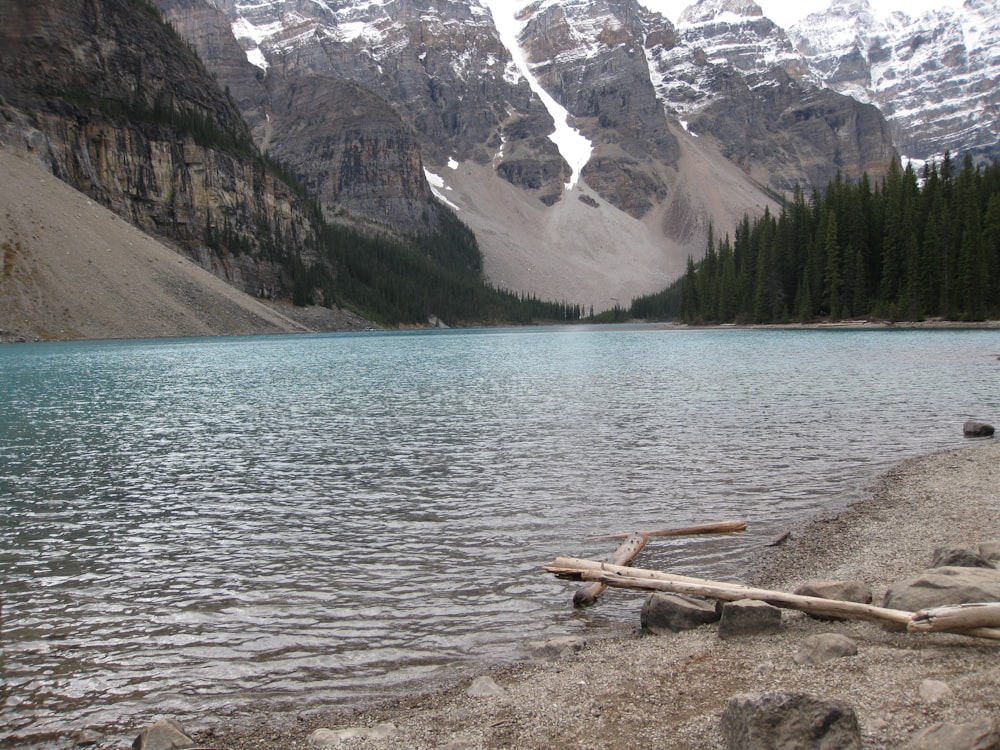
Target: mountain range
column 588, row 144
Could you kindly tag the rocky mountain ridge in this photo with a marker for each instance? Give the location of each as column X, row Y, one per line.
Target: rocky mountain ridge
column 936, row 76
column 481, row 129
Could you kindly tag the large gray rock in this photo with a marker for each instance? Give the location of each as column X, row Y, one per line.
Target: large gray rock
column 941, row 586
column 961, row 557
column 164, row 734
column 671, row 613
column 817, row 649
column 977, row 429
column 844, row 591
column 977, row 735
column 748, row 617
column 789, row 721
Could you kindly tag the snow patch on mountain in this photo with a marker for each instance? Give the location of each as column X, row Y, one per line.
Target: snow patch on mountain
column 573, row 146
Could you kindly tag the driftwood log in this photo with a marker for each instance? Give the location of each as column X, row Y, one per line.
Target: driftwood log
column 623, row 555
column 956, row 617
column 654, row 580
column 718, row 527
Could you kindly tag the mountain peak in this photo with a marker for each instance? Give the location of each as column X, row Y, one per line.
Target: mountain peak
column 704, row 11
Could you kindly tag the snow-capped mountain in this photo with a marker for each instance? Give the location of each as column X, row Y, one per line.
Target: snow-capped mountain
column 935, row 77
column 588, row 143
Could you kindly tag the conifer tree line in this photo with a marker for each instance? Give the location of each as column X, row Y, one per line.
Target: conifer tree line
column 914, row 246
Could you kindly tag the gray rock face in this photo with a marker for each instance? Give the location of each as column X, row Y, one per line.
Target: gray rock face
column 941, row 586
column 823, row 647
column 748, row 617
column 960, row 557
column 787, row 721
column 979, row 735
column 670, row 613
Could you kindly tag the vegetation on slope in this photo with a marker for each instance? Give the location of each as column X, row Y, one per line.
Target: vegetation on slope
column 908, row 249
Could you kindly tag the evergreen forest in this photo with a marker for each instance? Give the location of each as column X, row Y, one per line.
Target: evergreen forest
column 913, row 247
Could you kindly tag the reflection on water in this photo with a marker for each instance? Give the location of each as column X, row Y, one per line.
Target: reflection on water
column 191, row 525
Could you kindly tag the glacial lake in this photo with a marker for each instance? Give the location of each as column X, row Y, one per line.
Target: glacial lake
column 205, row 527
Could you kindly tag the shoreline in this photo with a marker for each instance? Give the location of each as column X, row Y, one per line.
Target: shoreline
column 640, row 691
column 327, row 320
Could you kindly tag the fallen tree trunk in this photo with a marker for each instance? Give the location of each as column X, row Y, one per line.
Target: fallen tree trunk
column 623, row 555
column 655, row 580
column 718, row 527
column 956, row 617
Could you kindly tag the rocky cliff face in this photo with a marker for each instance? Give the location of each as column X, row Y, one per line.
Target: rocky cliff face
column 731, row 73
column 108, row 98
column 936, row 77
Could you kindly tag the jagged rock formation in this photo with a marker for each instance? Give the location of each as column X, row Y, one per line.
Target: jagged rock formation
column 110, row 100
column 936, row 77
column 732, row 73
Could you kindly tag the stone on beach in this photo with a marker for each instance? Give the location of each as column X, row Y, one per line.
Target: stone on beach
column 164, row 734
column 789, row 721
column 823, row 647
column 485, row 687
column 670, row 613
column 982, row 734
column 960, row 557
column 938, row 587
column 322, row 739
column 748, row 617
column 973, row 428
column 844, row 591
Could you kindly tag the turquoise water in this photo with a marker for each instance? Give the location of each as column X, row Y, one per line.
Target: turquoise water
column 200, row 527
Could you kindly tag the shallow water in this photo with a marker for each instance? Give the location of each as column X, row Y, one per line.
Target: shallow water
column 192, row 527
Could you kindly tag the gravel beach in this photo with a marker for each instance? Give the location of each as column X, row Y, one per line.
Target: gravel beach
column 645, row 691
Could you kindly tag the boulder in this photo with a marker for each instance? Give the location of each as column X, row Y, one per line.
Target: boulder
column 789, row 721
column 976, row 735
column 977, row 429
column 164, row 734
column 844, row 591
column 938, row 587
column 748, row 617
column 817, row 649
column 326, row 739
column 671, row 613
column 960, row 557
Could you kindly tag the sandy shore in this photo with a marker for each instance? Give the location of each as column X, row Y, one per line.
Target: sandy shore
column 669, row 691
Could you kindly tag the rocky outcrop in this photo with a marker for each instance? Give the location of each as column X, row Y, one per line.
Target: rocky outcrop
column 109, row 99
